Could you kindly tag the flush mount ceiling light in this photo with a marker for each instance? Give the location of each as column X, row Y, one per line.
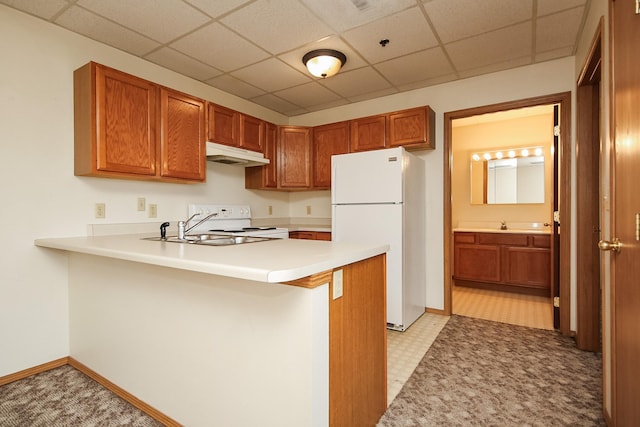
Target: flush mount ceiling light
column 324, row 62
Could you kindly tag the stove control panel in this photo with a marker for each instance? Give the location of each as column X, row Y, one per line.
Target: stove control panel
column 223, row 211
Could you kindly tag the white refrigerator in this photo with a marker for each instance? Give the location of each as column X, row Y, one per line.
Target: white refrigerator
column 379, row 197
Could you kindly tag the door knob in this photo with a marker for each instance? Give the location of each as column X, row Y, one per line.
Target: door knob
column 606, row 245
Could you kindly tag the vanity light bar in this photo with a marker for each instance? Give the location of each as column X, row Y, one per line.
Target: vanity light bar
column 511, row 153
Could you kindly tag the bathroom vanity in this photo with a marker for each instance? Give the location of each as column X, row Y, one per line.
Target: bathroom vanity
column 507, row 260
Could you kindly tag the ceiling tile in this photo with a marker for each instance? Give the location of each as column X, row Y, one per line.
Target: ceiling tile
column 278, row 104
column 407, row 32
column 428, row 82
column 496, row 66
column 294, row 57
column 217, row 8
column 333, row 104
column 558, row 30
column 163, row 24
column 458, row 19
column 95, row 27
column 497, row 46
column 308, row 94
column 415, row 67
column 546, row 7
column 182, row 64
column 277, row 25
column 271, row 75
column 343, row 15
column 46, row 9
column 554, row 54
column 237, row 87
column 356, row 82
column 373, row 95
column 219, row 47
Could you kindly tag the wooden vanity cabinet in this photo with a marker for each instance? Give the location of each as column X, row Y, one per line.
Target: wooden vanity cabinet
column 127, row 127
column 518, row 262
column 294, row 157
column 368, row 133
column 327, row 140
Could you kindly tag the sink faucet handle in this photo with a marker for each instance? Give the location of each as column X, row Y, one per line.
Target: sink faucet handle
column 503, row 225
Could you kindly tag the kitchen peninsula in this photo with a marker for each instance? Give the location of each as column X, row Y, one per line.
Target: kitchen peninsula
column 282, row 332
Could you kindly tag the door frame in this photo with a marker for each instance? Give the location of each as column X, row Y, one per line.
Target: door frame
column 588, row 191
column 564, row 99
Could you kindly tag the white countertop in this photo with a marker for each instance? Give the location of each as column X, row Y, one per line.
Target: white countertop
column 273, row 261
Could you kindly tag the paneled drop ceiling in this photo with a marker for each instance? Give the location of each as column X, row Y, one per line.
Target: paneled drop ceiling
column 254, row 48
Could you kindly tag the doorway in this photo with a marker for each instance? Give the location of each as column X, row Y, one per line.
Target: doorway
column 562, row 289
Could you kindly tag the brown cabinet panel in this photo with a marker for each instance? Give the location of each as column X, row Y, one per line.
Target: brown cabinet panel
column 115, row 123
column 182, row 138
column 476, row 262
column 251, row 133
column 223, row 125
column 310, row 235
column 265, row 177
column 323, row 235
column 461, row 237
column 541, row 241
column 327, row 141
column 510, row 239
column 368, row 133
column 527, row 266
column 294, row 157
column 412, row 129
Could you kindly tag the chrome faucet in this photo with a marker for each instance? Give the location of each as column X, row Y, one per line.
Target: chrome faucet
column 182, row 225
column 503, row 225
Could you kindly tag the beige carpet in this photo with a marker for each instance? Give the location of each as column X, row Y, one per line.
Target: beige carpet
column 483, row 373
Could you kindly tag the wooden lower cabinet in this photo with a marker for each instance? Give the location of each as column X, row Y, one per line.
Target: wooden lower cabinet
column 518, row 262
column 310, row 235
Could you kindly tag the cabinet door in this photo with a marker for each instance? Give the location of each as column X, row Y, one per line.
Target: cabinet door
column 265, row 177
column 223, row 125
column 294, row 157
column 327, row 141
column 368, row 133
column 323, row 235
column 412, row 129
column 125, row 122
column 251, row 133
column 476, row 262
column 527, row 267
column 182, row 138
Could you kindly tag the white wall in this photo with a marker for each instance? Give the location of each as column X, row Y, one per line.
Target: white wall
column 41, row 197
column 525, row 82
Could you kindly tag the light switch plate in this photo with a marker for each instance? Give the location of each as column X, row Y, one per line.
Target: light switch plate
column 337, row 284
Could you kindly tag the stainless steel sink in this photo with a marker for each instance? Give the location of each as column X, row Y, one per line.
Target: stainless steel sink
column 210, row 239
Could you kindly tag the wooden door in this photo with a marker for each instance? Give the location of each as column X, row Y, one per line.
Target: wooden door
column 368, row 133
column 625, row 212
column 126, row 122
column 251, row 133
column 328, row 140
column 294, row 157
column 182, row 136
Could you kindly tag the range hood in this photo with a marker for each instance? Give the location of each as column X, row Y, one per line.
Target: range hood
column 234, row 156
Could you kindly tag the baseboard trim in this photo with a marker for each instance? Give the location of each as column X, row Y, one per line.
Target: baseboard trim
column 34, row 370
column 125, row 395
column 434, row 311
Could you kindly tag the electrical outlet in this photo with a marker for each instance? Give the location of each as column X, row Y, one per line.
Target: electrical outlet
column 270, row 209
column 337, row 284
column 100, row 210
column 308, row 209
column 153, row 210
column 142, row 204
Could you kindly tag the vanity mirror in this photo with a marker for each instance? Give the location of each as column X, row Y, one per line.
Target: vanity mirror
column 511, row 176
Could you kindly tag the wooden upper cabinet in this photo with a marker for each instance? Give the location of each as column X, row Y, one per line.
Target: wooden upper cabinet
column 368, row 133
column 265, row 177
column 182, row 138
column 412, row 129
column 130, row 128
column 251, row 133
column 223, row 125
column 294, row 157
column 115, row 123
column 327, row 140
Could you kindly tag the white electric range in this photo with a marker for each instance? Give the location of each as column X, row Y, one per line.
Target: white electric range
column 231, row 220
